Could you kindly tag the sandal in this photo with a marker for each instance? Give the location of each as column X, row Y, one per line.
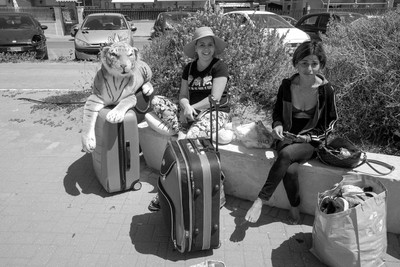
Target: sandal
column 154, row 205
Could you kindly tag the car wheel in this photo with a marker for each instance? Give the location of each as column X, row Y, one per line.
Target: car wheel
column 43, row 56
column 76, row 57
column 46, row 56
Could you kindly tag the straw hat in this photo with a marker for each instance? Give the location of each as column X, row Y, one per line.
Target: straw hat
column 202, row 32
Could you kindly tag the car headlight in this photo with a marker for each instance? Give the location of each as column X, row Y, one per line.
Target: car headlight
column 81, row 43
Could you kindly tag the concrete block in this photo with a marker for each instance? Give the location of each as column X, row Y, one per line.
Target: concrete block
column 153, row 145
column 246, row 171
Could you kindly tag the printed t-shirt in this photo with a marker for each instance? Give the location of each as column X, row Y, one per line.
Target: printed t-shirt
column 200, row 82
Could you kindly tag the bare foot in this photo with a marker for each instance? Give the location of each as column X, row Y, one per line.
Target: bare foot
column 253, row 214
column 294, row 215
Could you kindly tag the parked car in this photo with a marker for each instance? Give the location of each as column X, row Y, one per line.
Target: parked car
column 167, row 20
column 99, row 29
column 289, row 19
column 294, row 37
column 315, row 23
column 21, row 33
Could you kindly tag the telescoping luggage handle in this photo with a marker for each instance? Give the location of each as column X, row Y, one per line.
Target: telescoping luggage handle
column 214, row 102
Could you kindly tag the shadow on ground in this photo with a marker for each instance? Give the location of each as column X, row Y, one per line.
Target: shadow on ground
column 80, row 178
column 149, row 235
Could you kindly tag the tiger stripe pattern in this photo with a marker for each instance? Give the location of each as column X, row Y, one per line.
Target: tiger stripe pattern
column 121, row 74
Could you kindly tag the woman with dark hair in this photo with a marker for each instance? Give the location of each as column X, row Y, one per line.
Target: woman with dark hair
column 304, row 110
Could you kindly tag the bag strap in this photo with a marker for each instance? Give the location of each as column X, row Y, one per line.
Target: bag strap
column 369, row 162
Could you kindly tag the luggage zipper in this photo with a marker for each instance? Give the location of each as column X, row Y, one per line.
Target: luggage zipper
column 171, row 210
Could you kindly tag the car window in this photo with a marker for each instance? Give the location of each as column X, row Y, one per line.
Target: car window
column 310, row 21
column 16, row 22
column 105, row 23
column 270, row 20
column 240, row 18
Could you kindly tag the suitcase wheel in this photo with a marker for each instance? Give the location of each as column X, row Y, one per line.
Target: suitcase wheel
column 137, row 186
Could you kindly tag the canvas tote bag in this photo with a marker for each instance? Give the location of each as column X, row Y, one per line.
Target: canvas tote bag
column 354, row 237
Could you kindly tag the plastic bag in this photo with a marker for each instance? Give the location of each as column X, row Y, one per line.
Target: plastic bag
column 254, row 135
column 356, row 236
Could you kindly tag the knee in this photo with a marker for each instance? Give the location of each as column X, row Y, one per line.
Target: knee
column 292, row 171
column 284, row 155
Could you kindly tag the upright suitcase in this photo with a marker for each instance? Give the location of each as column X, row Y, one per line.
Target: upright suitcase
column 116, row 158
column 189, row 193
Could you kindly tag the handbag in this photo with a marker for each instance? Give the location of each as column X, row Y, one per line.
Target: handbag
column 356, row 236
column 340, row 152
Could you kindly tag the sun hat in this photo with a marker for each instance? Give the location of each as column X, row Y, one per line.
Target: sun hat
column 189, row 49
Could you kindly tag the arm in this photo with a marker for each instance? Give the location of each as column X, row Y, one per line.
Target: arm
column 277, row 115
column 188, row 110
column 327, row 119
column 217, row 90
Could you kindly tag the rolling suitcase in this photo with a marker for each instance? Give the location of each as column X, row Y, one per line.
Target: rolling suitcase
column 116, row 159
column 189, row 192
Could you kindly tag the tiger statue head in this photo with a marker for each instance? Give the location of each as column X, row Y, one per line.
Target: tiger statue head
column 119, row 58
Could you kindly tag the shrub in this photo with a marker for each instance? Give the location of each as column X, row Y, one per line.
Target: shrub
column 17, row 57
column 364, row 64
column 256, row 63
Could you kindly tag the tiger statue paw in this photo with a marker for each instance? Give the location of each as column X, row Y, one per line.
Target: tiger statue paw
column 115, row 116
column 88, row 142
column 147, row 89
column 121, row 74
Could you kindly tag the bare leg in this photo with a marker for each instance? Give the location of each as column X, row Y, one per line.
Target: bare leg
column 294, row 215
column 253, row 214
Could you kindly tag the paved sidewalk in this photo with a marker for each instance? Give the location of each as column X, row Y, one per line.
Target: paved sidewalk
column 54, row 212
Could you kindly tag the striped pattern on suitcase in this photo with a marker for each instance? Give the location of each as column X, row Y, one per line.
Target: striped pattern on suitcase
column 189, row 191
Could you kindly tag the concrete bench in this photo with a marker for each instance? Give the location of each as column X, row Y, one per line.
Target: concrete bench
column 246, row 171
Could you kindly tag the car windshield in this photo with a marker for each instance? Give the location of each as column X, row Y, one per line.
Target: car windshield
column 16, row 21
column 270, row 20
column 176, row 17
column 101, row 23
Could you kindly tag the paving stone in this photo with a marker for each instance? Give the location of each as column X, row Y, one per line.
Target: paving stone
column 54, row 212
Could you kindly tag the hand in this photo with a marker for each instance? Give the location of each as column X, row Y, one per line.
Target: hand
column 190, row 113
column 302, row 139
column 277, row 132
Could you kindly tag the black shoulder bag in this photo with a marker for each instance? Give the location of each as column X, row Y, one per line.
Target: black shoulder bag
column 342, row 153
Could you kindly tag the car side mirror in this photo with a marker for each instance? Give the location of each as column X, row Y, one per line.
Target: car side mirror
column 133, row 28
column 73, row 33
column 44, row 27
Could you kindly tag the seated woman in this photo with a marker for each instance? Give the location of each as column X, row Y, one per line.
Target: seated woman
column 206, row 75
column 305, row 104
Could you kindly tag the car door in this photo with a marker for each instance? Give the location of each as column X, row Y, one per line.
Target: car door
column 309, row 24
column 323, row 22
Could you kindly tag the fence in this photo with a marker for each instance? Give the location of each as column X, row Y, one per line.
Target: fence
column 39, row 13
column 365, row 11
column 134, row 14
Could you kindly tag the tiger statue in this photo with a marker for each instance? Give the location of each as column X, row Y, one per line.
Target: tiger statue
column 121, row 74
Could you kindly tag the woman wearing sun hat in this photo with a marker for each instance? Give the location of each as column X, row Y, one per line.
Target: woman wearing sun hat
column 204, row 76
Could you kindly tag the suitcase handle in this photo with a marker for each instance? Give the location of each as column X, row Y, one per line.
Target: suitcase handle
column 214, row 102
column 127, row 155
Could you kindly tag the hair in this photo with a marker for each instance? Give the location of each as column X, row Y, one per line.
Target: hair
column 310, row 48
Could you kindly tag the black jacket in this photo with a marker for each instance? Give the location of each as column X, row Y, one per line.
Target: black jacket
column 325, row 116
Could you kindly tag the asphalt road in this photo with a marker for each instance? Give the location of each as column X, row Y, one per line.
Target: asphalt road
column 50, row 75
column 63, row 47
